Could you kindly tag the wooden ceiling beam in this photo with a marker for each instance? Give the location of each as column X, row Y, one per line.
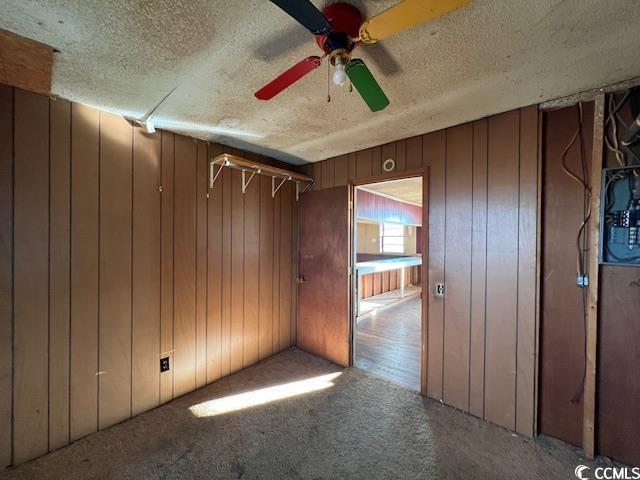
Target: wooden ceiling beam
column 589, row 95
column 25, row 63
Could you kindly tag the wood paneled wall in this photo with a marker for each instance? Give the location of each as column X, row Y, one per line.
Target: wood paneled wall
column 618, row 384
column 562, row 311
column 374, row 207
column 483, row 218
column 113, row 254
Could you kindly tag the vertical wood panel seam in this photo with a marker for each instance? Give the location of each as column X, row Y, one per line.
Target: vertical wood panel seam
column 486, row 253
column 444, row 263
column 515, row 394
column 259, row 243
column 273, row 257
column 259, row 310
column 99, row 264
column 161, row 249
column 293, row 312
column 49, row 287
column 13, row 270
column 230, row 296
column 231, row 244
column 195, row 268
column 538, row 272
column 13, row 267
column 486, row 279
column 70, row 256
column 173, row 268
column 206, row 272
column 473, row 139
column 221, row 272
column 294, row 273
column 244, row 283
column 275, row 306
column 133, row 180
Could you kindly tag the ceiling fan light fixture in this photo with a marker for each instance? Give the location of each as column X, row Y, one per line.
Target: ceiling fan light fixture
column 339, row 28
column 339, row 76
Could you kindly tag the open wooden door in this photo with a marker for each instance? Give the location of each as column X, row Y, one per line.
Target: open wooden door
column 323, row 292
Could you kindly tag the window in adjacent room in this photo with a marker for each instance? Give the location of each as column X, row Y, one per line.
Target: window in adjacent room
column 392, row 238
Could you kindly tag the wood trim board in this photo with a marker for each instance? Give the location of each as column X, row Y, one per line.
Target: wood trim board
column 589, row 416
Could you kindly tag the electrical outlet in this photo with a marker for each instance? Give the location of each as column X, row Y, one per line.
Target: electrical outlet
column 164, row 364
column 582, row 281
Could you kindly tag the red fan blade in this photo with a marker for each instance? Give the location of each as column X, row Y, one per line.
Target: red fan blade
column 288, row 78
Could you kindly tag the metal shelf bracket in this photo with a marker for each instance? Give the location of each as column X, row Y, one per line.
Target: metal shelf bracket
column 245, row 182
column 213, row 175
column 298, row 192
column 275, row 189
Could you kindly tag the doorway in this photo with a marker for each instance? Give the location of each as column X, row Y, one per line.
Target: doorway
column 388, row 246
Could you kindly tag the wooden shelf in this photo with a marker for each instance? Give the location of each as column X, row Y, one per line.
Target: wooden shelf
column 239, row 163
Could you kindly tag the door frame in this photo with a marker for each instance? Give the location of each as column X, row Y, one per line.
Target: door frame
column 426, row 289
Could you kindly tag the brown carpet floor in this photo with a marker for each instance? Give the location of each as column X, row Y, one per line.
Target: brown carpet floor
column 360, row 427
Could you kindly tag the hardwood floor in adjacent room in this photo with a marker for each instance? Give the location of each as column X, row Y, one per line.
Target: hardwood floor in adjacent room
column 388, row 343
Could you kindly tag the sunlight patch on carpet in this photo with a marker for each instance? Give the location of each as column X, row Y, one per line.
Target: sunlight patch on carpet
column 262, row 396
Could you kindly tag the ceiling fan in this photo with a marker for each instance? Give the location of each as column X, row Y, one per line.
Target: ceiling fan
column 339, row 29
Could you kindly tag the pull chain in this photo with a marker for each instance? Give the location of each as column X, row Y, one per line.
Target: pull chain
column 328, row 82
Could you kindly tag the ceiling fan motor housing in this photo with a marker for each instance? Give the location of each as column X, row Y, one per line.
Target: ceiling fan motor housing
column 345, row 20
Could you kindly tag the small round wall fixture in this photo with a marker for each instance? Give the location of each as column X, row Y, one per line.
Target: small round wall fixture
column 389, row 165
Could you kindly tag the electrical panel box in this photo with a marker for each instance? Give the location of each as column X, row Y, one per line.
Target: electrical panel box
column 620, row 216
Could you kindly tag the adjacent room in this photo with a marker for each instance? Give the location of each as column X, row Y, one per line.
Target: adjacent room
column 388, row 244
column 317, row 239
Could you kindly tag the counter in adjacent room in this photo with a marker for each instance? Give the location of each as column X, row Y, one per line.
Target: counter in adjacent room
column 386, row 274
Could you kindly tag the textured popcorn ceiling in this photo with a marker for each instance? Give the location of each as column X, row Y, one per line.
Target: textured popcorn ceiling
column 407, row 189
column 489, row 57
